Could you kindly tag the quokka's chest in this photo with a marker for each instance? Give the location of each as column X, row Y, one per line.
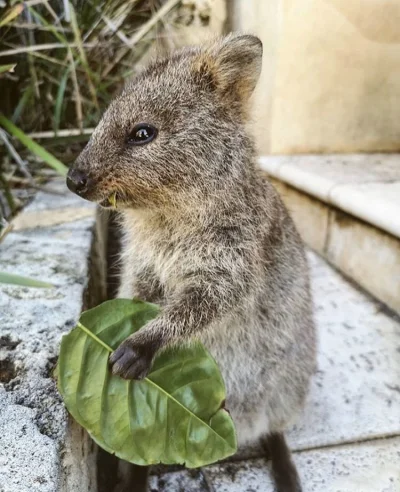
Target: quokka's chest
column 167, row 258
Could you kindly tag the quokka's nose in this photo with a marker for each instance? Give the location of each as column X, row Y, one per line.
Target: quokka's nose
column 78, row 181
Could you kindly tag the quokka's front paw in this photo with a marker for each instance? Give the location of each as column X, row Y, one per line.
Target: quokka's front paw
column 132, row 360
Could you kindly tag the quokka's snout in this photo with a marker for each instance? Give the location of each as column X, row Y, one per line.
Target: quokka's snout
column 94, row 189
column 79, row 182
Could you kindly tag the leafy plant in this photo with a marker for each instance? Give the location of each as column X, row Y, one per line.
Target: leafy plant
column 175, row 415
column 98, row 41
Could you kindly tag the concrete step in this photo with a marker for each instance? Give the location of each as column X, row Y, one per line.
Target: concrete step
column 347, row 208
column 348, row 438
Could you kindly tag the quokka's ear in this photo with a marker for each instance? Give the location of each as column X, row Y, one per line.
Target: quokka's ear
column 235, row 64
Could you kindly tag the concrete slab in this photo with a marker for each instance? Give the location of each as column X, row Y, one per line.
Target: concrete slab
column 367, row 255
column 355, row 393
column 185, row 481
column 375, row 203
column 28, row 458
column 362, row 242
column 339, row 168
column 364, row 185
column 364, row 467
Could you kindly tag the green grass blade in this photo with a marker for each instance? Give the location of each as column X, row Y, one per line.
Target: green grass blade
column 51, row 28
column 60, row 99
column 82, row 54
column 7, row 68
column 9, row 278
column 11, row 14
column 35, row 148
column 24, row 100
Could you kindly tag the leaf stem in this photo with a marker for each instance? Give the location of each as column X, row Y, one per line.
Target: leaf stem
column 91, row 334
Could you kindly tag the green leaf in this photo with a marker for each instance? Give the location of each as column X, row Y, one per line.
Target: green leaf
column 9, row 278
column 34, row 147
column 174, row 416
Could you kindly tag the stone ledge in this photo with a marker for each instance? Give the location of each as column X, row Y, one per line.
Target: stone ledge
column 368, row 255
column 53, row 241
column 364, row 185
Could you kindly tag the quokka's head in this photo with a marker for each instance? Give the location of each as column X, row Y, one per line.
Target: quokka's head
column 175, row 129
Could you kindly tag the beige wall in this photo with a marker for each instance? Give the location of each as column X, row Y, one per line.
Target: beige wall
column 192, row 22
column 331, row 76
column 261, row 17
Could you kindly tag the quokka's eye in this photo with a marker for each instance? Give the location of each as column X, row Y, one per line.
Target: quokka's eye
column 141, row 134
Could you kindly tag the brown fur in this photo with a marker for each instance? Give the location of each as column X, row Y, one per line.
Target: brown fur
column 205, row 235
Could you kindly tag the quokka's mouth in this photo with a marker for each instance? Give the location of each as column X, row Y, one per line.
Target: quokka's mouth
column 112, row 201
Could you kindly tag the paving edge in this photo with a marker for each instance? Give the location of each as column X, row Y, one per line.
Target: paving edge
column 58, row 239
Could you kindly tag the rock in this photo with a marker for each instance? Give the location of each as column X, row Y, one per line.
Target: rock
column 54, row 241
